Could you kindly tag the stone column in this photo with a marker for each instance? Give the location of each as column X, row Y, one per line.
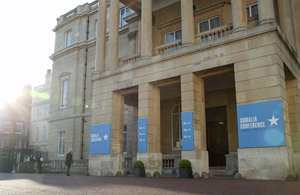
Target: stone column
column 239, row 16
column 187, row 23
column 110, row 109
column 265, row 11
column 264, row 162
column 285, row 21
column 113, row 60
column 293, row 100
column 193, row 100
column 149, row 107
column 146, row 35
column 101, row 37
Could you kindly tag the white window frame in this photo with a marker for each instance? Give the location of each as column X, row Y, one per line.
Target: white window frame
column 174, row 35
column 250, row 10
column 6, row 127
column 179, row 125
column 209, row 19
column 18, row 144
column 19, row 128
column 64, row 94
column 122, row 22
column 5, row 143
column 61, row 143
column 68, row 38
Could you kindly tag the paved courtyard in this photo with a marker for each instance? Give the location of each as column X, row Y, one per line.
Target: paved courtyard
column 80, row 184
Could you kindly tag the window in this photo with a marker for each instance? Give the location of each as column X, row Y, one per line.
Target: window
column 41, row 135
column 5, row 144
column 36, row 134
column 39, row 113
column 64, row 93
column 46, row 113
column 252, row 10
column 19, row 128
column 68, row 38
column 125, row 140
column 6, row 127
column 17, row 144
column 123, row 14
column 209, row 24
column 173, row 36
column 96, row 28
column 176, row 126
column 61, row 144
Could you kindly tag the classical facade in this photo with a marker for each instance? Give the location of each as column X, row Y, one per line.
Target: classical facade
column 40, row 114
column 216, row 82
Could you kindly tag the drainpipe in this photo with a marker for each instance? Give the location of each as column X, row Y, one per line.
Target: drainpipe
column 84, row 89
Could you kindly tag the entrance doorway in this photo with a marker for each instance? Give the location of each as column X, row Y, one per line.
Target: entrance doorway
column 217, row 136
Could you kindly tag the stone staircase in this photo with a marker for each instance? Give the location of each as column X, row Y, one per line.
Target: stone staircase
column 221, row 172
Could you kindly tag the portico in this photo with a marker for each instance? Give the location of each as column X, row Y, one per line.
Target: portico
column 225, row 71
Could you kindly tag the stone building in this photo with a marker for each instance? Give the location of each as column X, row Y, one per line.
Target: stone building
column 71, row 88
column 215, row 82
column 40, row 114
column 14, row 131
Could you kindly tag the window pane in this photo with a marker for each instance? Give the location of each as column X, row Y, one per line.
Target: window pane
column 214, row 23
column 204, row 26
column 64, row 93
column 248, row 12
column 170, row 37
column 61, row 143
column 254, row 11
column 178, row 35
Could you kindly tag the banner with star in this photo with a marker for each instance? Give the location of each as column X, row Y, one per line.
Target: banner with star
column 100, row 139
column 261, row 124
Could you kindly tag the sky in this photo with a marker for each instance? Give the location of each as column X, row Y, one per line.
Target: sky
column 27, row 41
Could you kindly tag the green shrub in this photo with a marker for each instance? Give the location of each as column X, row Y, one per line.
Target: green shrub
column 138, row 164
column 184, row 163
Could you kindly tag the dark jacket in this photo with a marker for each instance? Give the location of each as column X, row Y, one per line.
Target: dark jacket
column 69, row 159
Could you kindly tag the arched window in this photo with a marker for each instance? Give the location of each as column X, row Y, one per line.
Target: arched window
column 176, row 126
column 36, row 134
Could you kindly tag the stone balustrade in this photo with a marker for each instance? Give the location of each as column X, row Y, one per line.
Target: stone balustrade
column 214, row 34
column 130, row 59
column 168, row 48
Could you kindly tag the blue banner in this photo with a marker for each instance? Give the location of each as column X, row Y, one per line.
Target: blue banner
column 261, row 124
column 142, row 135
column 100, row 139
column 187, row 131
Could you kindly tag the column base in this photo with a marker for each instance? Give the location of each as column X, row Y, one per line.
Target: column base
column 152, row 161
column 273, row 163
column 199, row 160
column 296, row 163
column 267, row 21
column 238, row 29
column 187, row 44
column 106, row 165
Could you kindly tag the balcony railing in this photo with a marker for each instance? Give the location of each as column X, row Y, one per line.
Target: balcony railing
column 130, row 59
column 214, row 34
column 168, row 48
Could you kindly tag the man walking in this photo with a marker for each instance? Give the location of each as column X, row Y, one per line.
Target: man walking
column 69, row 161
column 40, row 161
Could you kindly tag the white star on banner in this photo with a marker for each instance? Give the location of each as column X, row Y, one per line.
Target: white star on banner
column 273, row 121
column 105, row 136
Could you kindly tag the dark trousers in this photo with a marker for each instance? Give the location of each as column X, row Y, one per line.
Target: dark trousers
column 68, row 170
column 39, row 167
